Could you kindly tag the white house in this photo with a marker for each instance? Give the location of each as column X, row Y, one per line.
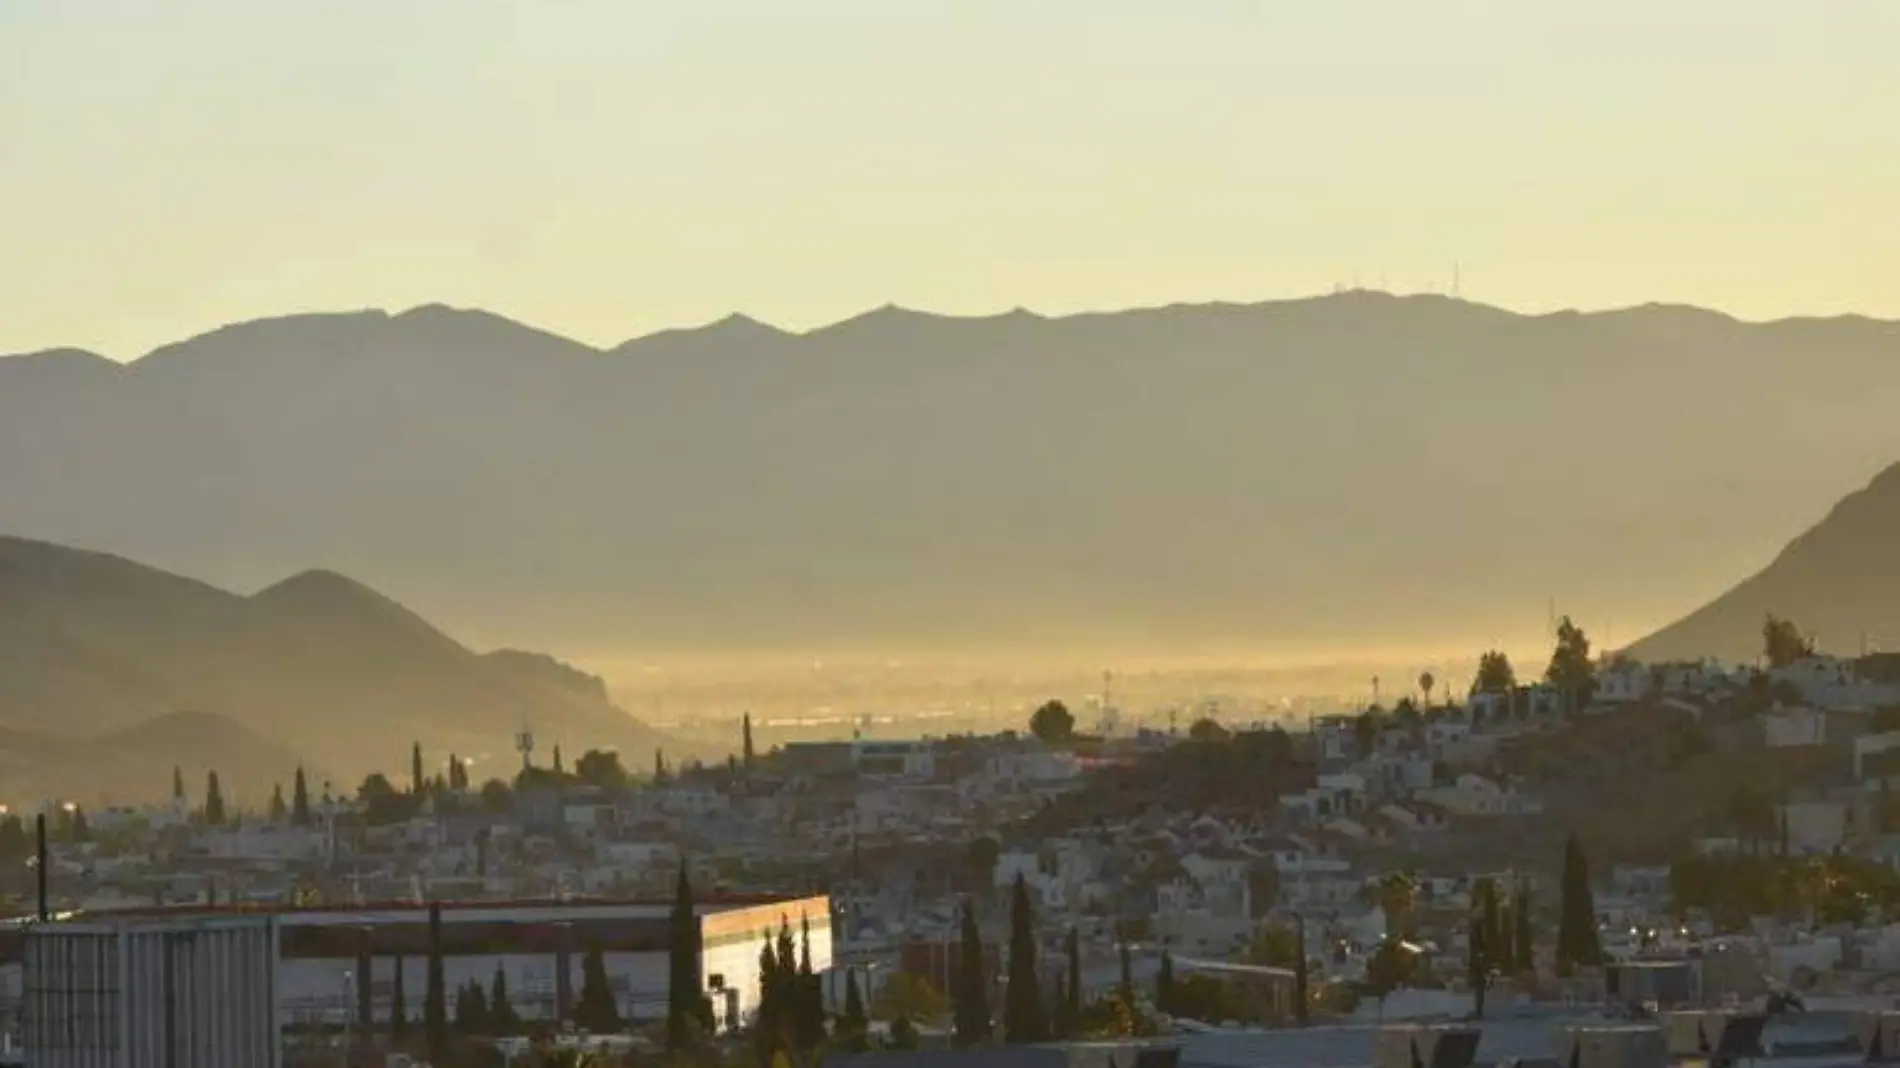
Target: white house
column 1786, row 728
column 1447, row 732
column 1338, row 737
column 1415, row 817
column 1870, row 746
column 1623, row 681
column 1832, row 684
column 910, row 759
column 685, row 800
column 1476, row 795
column 1333, row 795
column 1817, row 826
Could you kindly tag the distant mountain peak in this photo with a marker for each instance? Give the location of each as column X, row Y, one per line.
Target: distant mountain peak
column 61, row 356
column 739, row 327
column 58, row 367
column 432, row 309
column 126, row 671
column 741, row 321
column 323, row 590
column 883, row 315
column 736, row 330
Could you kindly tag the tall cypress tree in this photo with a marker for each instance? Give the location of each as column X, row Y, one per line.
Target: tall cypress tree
column 300, row 800
column 1300, row 994
column 1073, row 994
column 1577, row 944
column 1478, row 948
column 214, row 800
column 1128, row 977
column 855, row 1023
column 1523, row 939
column 971, row 1001
column 277, row 807
column 811, row 995
column 685, row 1002
column 597, row 1011
column 1164, row 984
column 178, row 783
column 778, row 1004
column 398, row 1005
column 1023, row 1019
column 786, row 950
column 503, row 1021
column 365, row 987
column 417, row 783
column 479, row 1018
column 766, row 1023
column 435, row 1009
column 462, row 1016
column 746, row 740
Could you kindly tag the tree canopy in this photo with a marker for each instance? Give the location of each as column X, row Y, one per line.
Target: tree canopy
column 906, row 995
column 1024, row 1019
column 1577, row 941
column 1495, row 674
column 601, row 767
column 1782, row 643
column 1571, row 671
column 1208, row 729
column 1052, row 722
column 972, row 1000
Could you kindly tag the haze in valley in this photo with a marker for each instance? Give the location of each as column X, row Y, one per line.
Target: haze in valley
column 851, row 357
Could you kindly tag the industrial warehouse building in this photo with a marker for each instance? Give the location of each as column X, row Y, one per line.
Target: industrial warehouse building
column 124, row 989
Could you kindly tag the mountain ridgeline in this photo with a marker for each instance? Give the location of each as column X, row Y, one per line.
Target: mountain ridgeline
column 1289, row 477
column 112, row 672
column 1839, row 582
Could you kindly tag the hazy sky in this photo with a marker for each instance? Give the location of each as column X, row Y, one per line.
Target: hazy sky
column 607, row 167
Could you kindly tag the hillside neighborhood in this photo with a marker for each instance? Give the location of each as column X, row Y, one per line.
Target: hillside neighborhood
column 1222, row 874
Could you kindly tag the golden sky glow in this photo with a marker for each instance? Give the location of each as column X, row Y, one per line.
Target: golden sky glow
column 604, row 168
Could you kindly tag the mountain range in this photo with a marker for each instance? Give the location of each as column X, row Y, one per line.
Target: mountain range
column 135, row 764
column 112, row 673
column 1290, row 478
column 1837, row 582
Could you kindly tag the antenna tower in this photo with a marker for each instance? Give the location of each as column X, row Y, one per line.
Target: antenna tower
column 524, row 744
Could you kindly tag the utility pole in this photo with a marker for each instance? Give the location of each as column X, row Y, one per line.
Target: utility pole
column 40, row 865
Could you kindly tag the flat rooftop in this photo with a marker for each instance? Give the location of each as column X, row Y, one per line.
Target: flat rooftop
column 368, row 910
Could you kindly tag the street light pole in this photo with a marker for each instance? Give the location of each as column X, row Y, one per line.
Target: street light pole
column 40, row 864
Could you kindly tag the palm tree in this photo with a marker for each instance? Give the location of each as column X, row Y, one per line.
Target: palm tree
column 1425, row 683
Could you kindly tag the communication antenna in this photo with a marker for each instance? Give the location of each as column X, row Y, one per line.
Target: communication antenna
column 524, row 744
